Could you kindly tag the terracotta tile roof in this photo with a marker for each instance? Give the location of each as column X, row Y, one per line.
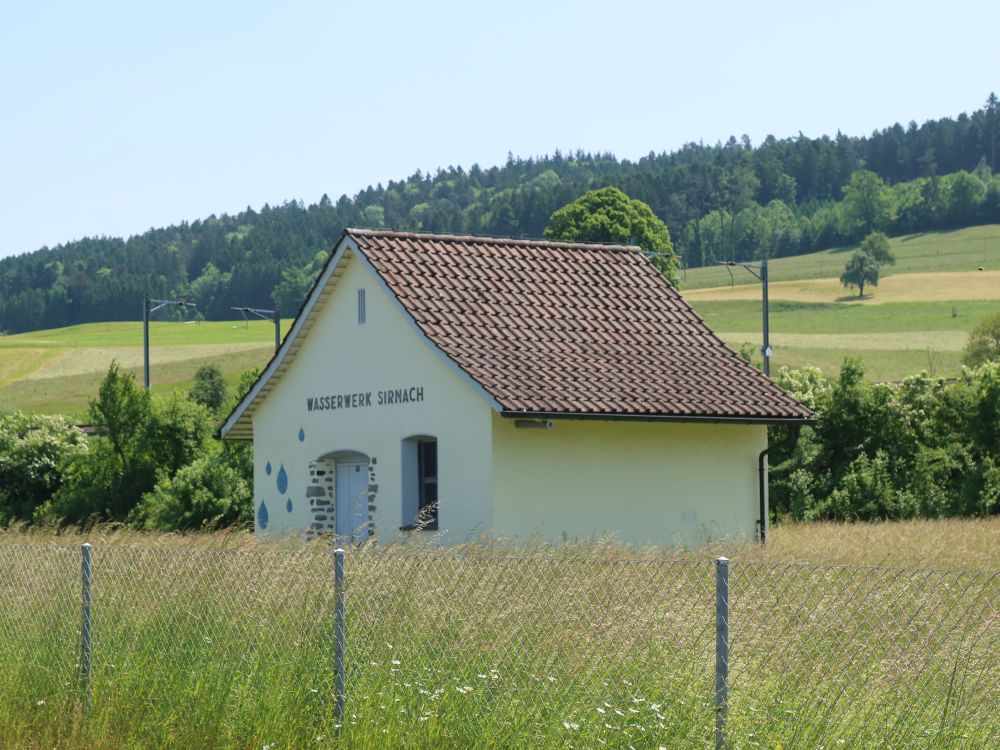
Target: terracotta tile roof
column 558, row 328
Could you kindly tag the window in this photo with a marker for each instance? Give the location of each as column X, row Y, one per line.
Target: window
column 427, row 473
column 361, row 307
column 420, row 484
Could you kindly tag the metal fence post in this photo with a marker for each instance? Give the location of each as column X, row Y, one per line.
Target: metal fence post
column 338, row 632
column 86, row 580
column 721, row 649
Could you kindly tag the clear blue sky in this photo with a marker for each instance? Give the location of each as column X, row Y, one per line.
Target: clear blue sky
column 119, row 116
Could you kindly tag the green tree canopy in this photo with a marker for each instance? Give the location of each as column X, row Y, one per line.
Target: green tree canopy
column 984, row 343
column 33, row 449
column 608, row 215
column 139, row 441
column 876, row 245
column 869, row 205
column 861, row 269
column 209, row 388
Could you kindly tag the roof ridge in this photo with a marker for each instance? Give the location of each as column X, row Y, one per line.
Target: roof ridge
column 488, row 239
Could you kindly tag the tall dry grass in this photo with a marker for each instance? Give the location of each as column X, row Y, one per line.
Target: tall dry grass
column 968, row 543
column 225, row 640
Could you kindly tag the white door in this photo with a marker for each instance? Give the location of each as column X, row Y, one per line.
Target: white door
column 352, row 501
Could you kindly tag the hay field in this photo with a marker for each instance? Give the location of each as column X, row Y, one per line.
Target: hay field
column 927, row 287
column 917, row 318
column 939, row 341
column 59, row 370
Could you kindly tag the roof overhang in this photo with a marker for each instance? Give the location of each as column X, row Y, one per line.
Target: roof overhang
column 703, row 418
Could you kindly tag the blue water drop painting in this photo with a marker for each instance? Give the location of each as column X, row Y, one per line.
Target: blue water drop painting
column 267, row 469
column 288, row 505
column 302, row 435
column 282, row 480
column 262, row 515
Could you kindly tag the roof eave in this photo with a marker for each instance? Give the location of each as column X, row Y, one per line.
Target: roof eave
column 619, row 417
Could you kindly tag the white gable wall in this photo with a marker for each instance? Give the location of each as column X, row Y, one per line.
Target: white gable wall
column 340, row 357
column 659, row 482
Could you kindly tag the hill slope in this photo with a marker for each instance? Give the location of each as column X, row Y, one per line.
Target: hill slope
column 918, row 318
column 59, row 370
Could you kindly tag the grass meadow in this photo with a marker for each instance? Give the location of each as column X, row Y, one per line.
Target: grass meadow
column 867, row 636
column 959, row 250
column 917, row 318
column 57, row 371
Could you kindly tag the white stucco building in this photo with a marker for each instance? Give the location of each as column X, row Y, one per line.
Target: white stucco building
column 481, row 386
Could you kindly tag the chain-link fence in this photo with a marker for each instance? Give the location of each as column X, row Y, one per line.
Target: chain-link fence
column 476, row 649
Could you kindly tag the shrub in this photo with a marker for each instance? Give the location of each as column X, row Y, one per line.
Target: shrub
column 33, row 451
column 207, row 493
column 209, row 388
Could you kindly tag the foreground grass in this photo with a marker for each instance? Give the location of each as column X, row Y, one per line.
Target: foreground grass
column 958, row 543
column 225, row 640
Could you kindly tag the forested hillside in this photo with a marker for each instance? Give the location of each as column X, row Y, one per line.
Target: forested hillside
column 728, row 201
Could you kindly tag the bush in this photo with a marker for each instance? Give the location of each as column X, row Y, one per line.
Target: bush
column 209, row 387
column 140, row 440
column 924, row 447
column 207, row 493
column 33, row 451
column 984, row 343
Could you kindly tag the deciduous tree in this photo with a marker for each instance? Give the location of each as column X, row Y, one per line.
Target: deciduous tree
column 608, row 215
column 876, row 245
column 861, row 269
column 209, row 388
column 868, row 204
column 984, row 342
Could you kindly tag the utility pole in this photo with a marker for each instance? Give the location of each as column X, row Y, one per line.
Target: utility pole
column 263, row 314
column 146, row 312
column 759, row 271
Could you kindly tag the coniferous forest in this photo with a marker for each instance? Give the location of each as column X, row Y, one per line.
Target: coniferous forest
column 728, row 201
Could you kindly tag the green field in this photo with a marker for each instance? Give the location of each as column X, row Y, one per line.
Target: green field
column 58, row 370
column 919, row 319
column 959, row 250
